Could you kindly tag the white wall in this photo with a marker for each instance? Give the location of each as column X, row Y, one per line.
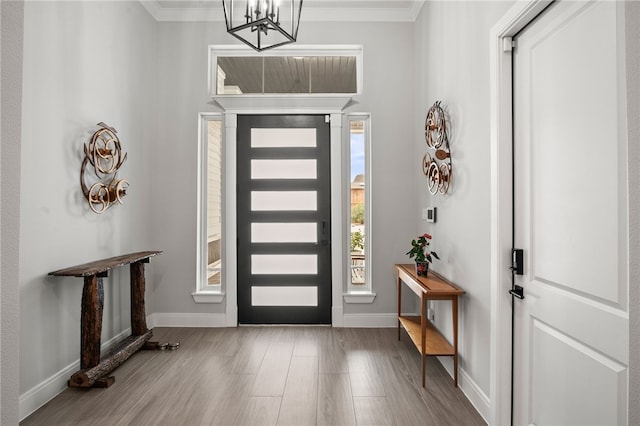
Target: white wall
column 388, row 62
column 84, row 62
column 452, row 62
column 11, row 24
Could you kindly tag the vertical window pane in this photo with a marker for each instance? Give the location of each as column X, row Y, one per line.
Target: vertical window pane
column 357, row 201
column 214, row 200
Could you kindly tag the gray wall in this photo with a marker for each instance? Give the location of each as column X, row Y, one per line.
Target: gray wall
column 452, row 65
column 11, row 25
column 84, row 62
column 388, row 64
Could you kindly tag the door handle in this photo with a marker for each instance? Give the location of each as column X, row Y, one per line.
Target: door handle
column 517, row 292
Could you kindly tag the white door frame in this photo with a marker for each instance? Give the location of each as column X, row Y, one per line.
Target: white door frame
column 521, row 14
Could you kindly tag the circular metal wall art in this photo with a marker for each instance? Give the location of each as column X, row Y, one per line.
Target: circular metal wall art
column 104, row 157
column 437, row 170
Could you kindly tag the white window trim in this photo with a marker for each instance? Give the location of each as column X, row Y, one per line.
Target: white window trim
column 216, row 50
column 204, row 292
column 351, row 294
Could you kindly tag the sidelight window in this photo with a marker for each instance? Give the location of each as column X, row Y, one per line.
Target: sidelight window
column 210, row 210
column 359, row 190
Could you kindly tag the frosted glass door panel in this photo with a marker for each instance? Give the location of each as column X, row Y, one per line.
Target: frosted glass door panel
column 283, row 138
column 284, row 200
column 284, row 232
column 283, row 169
column 284, row 264
column 284, row 296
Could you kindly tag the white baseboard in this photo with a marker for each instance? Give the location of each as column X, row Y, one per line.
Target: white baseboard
column 472, row 391
column 43, row 392
column 370, row 320
column 171, row 319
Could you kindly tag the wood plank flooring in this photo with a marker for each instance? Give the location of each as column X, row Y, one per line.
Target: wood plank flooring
column 263, row 376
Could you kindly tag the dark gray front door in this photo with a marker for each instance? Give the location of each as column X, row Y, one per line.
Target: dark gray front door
column 284, row 228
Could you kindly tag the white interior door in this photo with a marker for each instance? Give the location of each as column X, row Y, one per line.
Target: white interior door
column 571, row 329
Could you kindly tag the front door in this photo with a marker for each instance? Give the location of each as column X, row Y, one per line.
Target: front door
column 570, row 172
column 284, row 209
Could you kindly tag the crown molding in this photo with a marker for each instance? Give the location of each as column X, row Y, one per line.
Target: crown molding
column 318, row 10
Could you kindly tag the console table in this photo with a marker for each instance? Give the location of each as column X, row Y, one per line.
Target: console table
column 422, row 332
column 94, row 370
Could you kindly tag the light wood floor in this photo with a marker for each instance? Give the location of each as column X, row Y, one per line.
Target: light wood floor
column 269, row 376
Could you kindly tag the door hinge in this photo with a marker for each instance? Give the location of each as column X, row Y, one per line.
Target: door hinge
column 517, row 291
column 508, row 44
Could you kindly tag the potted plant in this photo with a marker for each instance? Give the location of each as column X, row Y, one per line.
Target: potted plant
column 357, row 242
column 423, row 256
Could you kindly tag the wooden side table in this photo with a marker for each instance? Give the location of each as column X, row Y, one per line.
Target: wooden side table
column 427, row 339
column 94, row 370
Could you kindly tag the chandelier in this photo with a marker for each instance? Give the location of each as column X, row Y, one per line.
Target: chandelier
column 263, row 24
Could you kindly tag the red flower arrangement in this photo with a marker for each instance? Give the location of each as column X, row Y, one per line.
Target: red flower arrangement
column 420, row 249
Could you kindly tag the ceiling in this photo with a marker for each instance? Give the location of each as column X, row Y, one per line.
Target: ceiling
column 312, row 10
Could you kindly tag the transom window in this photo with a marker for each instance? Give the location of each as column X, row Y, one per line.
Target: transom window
column 295, row 70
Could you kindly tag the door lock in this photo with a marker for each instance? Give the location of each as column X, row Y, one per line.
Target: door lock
column 517, row 261
column 517, row 291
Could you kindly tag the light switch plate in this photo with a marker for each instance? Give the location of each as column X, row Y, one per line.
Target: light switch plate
column 431, row 214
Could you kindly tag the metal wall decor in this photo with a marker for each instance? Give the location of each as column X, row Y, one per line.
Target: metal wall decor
column 103, row 156
column 438, row 169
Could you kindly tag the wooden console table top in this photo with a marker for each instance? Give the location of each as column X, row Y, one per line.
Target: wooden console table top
column 434, row 283
column 94, row 268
